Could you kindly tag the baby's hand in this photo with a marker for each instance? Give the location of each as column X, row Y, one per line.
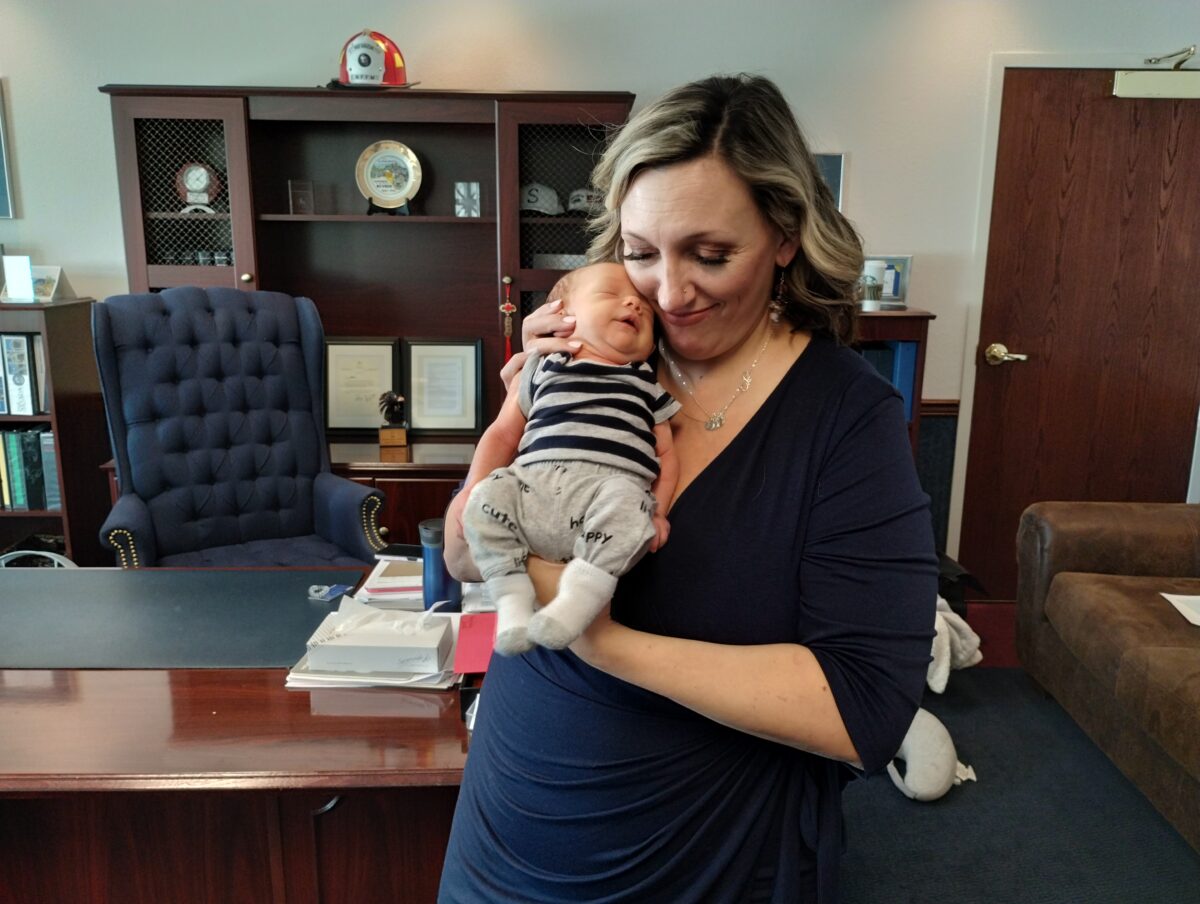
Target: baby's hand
column 662, row 529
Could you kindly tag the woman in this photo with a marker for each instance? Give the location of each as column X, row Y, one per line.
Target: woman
column 693, row 746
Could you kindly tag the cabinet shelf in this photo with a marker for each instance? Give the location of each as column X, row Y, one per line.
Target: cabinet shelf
column 19, row 419
column 31, row 513
column 365, row 218
column 179, row 215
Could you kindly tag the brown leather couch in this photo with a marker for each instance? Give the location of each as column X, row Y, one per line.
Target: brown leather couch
column 1094, row 632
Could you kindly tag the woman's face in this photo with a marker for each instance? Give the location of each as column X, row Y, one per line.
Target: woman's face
column 695, row 244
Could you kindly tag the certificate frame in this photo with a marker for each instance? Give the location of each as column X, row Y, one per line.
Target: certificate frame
column 443, row 386
column 358, row 370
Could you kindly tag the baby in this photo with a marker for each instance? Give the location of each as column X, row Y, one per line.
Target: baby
column 594, row 468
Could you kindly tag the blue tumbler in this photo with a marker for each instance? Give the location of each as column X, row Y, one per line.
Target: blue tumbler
column 436, row 583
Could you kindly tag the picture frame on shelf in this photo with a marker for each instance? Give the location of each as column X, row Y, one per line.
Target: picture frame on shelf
column 6, row 197
column 358, row 370
column 833, row 171
column 467, row 199
column 443, row 385
column 300, row 197
column 896, row 275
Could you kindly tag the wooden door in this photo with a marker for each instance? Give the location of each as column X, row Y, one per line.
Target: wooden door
column 1093, row 272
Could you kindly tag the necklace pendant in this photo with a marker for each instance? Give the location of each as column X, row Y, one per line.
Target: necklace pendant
column 715, row 421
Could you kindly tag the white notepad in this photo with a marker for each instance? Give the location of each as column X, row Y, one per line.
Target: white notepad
column 1188, row 606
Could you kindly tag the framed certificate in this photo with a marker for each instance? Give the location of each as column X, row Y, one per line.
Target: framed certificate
column 358, row 372
column 442, row 385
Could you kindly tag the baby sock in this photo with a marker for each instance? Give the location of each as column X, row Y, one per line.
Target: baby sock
column 583, row 590
column 513, row 596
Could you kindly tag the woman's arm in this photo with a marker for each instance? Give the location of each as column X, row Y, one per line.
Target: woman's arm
column 496, row 449
column 867, row 583
column 774, row 691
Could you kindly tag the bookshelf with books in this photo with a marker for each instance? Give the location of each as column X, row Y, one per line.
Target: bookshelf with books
column 53, row 436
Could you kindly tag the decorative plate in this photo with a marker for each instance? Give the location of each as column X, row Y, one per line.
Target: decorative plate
column 388, row 174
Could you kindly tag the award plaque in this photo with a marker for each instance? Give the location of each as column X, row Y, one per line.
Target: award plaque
column 388, row 174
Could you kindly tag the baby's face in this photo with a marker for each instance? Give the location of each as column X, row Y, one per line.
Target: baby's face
column 611, row 318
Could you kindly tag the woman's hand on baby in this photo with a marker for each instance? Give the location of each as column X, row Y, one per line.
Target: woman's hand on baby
column 662, row 530
column 545, row 331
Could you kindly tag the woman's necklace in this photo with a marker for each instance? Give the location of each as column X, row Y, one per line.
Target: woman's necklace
column 716, row 420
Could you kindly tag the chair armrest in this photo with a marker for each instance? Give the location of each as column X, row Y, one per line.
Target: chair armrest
column 347, row 513
column 1127, row 538
column 129, row 533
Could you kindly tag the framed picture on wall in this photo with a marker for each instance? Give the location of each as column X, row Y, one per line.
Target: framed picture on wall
column 897, row 268
column 6, row 204
column 357, row 372
column 442, row 384
column 833, row 171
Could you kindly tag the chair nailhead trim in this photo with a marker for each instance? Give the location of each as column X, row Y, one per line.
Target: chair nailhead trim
column 115, row 537
column 370, row 522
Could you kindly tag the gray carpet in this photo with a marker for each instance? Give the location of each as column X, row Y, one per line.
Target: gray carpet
column 1050, row 820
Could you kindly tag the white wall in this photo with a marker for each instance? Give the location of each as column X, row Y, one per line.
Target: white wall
column 900, row 86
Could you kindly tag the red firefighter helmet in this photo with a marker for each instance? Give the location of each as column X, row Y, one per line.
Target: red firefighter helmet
column 371, row 59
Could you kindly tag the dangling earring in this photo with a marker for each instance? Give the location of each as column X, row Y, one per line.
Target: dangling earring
column 776, row 305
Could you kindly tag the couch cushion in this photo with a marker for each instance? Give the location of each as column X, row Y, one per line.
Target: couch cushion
column 1159, row 688
column 1102, row 617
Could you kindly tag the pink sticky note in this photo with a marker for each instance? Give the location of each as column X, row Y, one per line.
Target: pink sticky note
column 476, row 631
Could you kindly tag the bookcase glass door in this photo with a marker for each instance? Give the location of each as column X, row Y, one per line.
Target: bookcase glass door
column 177, row 230
column 554, row 169
column 183, row 171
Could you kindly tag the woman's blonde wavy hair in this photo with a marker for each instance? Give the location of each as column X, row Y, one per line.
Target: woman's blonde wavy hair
column 745, row 121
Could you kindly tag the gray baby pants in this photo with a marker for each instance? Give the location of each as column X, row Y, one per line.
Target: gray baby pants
column 558, row 510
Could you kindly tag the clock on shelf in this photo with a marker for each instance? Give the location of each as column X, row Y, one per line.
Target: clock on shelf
column 198, row 186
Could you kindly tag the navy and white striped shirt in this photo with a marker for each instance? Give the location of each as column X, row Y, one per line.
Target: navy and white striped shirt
column 581, row 410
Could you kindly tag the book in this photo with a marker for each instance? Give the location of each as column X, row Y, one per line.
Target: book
column 50, row 471
column 39, row 373
column 393, row 578
column 17, row 352
column 30, row 442
column 3, row 391
column 16, row 471
column 5, row 494
column 400, row 551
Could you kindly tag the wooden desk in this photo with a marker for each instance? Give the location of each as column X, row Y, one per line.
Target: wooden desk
column 221, row 785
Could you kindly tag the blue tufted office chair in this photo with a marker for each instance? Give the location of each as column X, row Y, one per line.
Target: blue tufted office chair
column 215, row 405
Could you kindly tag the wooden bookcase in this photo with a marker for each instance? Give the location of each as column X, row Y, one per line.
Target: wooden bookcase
column 430, row 274
column 76, row 416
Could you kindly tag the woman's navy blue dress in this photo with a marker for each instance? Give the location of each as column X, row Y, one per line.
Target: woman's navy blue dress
column 810, row 528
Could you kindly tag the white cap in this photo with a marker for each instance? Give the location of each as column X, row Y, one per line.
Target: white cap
column 540, row 197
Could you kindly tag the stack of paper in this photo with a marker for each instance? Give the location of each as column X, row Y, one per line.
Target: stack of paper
column 303, row 676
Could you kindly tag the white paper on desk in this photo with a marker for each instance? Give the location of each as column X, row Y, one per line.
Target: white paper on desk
column 302, row 676
column 1188, row 606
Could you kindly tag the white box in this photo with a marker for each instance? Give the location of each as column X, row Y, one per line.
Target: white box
column 387, row 647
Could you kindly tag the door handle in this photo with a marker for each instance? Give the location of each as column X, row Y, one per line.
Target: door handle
column 998, row 353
